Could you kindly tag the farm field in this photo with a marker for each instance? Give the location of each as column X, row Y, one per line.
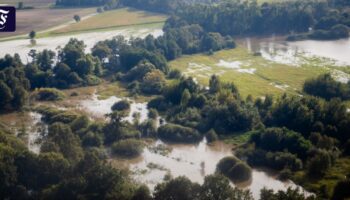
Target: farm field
column 113, row 19
column 29, row 3
column 32, row 19
column 252, row 74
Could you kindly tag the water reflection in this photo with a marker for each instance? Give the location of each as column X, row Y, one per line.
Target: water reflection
column 100, row 107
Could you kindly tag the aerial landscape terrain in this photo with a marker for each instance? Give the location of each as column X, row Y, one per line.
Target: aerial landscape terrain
column 175, row 100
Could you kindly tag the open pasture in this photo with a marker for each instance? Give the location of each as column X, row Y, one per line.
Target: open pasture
column 113, row 19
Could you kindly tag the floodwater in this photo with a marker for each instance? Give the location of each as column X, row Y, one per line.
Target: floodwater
column 195, row 162
column 28, row 126
column 22, row 46
column 98, row 108
column 278, row 50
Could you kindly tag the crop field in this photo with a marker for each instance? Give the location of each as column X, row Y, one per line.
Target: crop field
column 29, row 3
column 114, row 19
column 32, row 19
column 251, row 74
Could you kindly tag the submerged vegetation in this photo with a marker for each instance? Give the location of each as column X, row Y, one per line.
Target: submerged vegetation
column 128, row 148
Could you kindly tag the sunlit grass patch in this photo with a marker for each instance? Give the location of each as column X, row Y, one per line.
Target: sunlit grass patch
column 114, row 19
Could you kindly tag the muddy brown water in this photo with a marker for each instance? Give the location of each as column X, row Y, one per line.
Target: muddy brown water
column 194, row 161
column 159, row 159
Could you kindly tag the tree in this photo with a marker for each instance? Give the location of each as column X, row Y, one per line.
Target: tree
column 68, row 144
column 153, row 82
column 180, row 188
column 76, row 18
column 20, row 6
column 185, row 98
column 20, row 96
column 234, row 169
column 5, row 95
column 217, row 187
column 319, row 164
column 32, row 35
column 291, row 194
column 214, row 84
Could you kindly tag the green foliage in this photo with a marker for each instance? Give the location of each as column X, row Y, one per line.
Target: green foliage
column 292, row 194
column 178, row 133
column 211, row 136
column 319, row 162
column 235, row 169
column 32, row 35
column 14, row 85
column 77, row 18
column 121, row 106
column 326, row 87
column 60, row 138
column 309, row 114
column 180, row 188
column 48, row 94
column 341, row 190
column 279, row 139
column 217, row 187
column 128, row 148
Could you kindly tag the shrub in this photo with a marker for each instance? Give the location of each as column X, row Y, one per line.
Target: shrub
column 234, row 169
column 177, row 133
column 240, row 172
column 48, row 94
column 127, row 148
column 121, row 105
column 211, row 136
column 92, row 140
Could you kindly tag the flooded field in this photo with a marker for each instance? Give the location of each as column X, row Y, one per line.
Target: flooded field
column 22, row 46
column 161, row 160
column 28, row 126
column 292, row 53
column 98, row 108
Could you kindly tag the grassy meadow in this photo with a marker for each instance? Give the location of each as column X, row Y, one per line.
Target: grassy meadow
column 252, row 74
column 114, row 19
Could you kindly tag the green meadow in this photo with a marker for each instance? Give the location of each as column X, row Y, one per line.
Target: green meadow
column 253, row 74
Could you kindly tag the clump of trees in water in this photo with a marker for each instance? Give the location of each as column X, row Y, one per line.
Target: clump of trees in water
column 234, row 169
column 178, row 133
column 128, row 148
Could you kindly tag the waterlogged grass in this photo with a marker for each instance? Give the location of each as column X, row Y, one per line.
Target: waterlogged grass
column 252, row 74
column 114, row 19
